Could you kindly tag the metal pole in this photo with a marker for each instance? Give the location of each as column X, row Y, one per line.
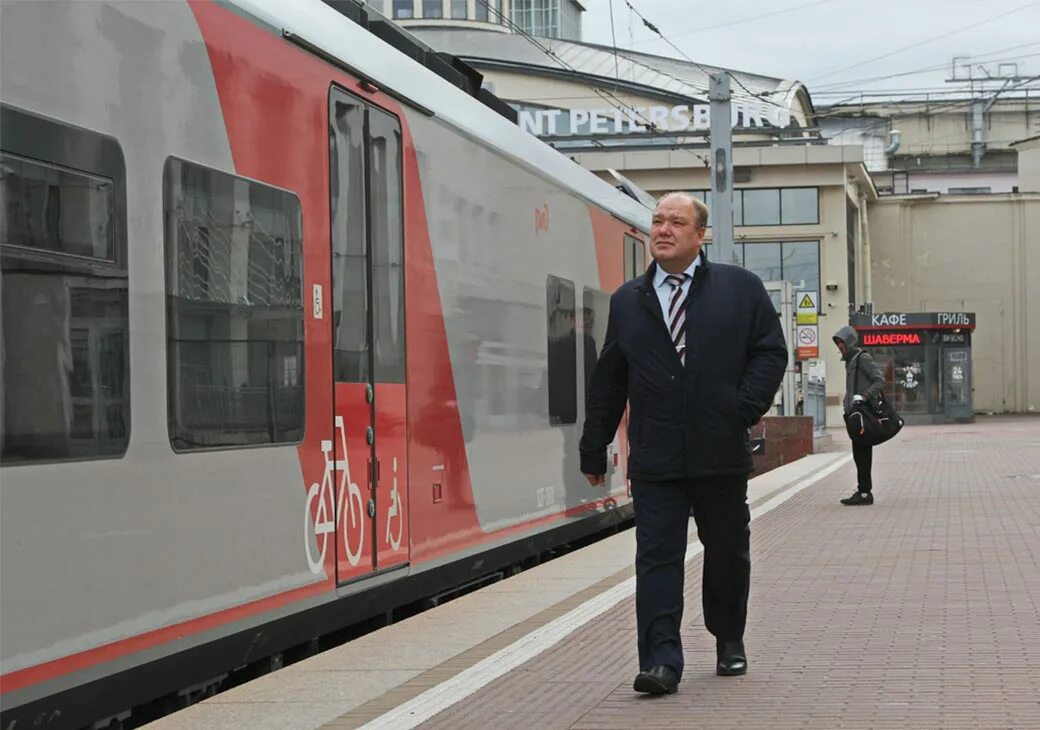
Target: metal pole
column 978, row 144
column 721, row 168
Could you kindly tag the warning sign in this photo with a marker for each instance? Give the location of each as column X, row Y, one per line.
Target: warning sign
column 808, row 304
column 808, row 336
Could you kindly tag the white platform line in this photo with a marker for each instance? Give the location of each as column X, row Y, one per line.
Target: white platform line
column 462, row 685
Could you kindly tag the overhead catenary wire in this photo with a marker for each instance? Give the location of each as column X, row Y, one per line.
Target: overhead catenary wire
column 941, row 108
column 925, row 41
column 927, row 69
column 634, row 113
column 745, row 19
column 613, row 40
column 753, row 94
column 607, row 96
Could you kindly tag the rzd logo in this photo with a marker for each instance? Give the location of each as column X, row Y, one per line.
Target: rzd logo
column 541, row 219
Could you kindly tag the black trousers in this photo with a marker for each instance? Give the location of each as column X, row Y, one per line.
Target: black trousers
column 863, row 456
column 662, row 511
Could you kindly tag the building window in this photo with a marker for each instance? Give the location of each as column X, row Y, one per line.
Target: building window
column 800, row 264
column 970, row 191
column 64, row 331
column 432, row 9
column 771, row 206
column 403, row 9
column 761, row 207
column 458, row 9
column 774, row 206
column 486, row 9
column 764, row 259
column 795, row 261
column 799, row 205
column 562, row 353
column 537, row 17
column 234, row 318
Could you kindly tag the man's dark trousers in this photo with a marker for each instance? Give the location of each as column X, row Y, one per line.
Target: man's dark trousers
column 662, row 511
column 863, row 456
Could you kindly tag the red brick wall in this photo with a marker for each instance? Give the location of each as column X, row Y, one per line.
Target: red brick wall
column 787, row 438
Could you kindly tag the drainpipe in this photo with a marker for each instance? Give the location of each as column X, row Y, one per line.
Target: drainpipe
column 860, row 282
column 894, row 139
column 893, row 142
column 868, row 288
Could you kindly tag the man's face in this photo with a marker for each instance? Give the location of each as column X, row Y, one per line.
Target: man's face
column 842, row 347
column 675, row 234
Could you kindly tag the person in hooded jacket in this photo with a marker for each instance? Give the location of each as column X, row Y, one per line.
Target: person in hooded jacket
column 863, row 382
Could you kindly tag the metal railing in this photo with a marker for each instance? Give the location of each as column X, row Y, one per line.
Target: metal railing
column 816, row 403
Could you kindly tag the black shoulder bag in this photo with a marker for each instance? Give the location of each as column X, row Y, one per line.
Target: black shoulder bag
column 872, row 423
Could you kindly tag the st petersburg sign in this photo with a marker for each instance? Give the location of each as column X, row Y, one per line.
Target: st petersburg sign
column 639, row 119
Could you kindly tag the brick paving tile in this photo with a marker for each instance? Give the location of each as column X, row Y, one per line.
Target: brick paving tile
column 921, row 611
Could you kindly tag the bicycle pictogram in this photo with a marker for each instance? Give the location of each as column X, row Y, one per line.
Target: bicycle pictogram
column 318, row 534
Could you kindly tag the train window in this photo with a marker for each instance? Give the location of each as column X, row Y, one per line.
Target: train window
column 595, row 308
column 384, row 155
column 349, row 241
column 65, row 390
column 634, row 257
column 563, row 356
column 367, row 232
column 234, row 317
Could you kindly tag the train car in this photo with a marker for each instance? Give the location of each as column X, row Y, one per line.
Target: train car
column 294, row 331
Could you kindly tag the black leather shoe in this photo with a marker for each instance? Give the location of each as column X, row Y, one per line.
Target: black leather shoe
column 859, row 498
column 732, row 658
column 659, row 680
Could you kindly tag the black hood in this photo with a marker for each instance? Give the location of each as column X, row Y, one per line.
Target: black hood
column 848, row 335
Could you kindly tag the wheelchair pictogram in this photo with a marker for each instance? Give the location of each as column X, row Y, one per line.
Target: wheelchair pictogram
column 395, row 511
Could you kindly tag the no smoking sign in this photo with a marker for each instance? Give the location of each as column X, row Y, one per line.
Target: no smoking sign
column 808, row 337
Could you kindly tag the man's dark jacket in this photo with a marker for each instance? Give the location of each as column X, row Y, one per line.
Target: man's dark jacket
column 685, row 422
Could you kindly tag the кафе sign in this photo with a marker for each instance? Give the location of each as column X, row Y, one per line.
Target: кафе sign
column 914, row 321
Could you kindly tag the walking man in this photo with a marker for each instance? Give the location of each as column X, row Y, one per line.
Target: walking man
column 696, row 350
column 863, row 382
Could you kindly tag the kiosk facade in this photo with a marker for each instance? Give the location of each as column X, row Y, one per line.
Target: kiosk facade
column 926, row 359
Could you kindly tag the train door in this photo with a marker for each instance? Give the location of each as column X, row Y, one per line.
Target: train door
column 369, row 407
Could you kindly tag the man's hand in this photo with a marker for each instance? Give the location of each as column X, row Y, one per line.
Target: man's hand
column 858, row 398
column 595, row 479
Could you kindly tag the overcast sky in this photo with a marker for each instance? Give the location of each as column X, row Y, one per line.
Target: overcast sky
column 816, row 39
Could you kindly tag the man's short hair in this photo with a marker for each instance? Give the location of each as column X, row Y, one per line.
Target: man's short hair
column 698, row 206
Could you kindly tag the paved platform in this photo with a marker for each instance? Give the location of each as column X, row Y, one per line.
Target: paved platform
column 920, row 611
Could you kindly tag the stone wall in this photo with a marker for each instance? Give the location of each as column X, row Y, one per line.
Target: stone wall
column 787, row 438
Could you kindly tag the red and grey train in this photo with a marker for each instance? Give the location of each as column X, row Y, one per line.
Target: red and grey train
column 294, row 331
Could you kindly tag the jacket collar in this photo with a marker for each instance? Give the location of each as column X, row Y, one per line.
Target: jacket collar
column 647, row 280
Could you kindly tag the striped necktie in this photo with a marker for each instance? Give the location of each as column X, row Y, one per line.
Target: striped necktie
column 677, row 314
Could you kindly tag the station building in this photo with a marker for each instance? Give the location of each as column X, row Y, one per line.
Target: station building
column 814, row 212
